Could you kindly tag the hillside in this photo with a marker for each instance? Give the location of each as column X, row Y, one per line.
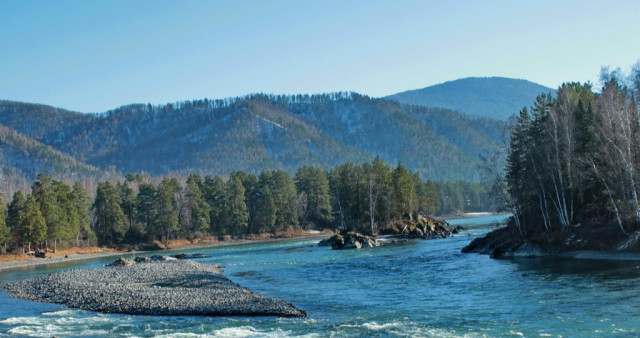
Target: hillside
column 22, row 159
column 261, row 132
column 493, row 97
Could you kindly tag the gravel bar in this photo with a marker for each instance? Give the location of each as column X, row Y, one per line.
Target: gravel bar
column 158, row 288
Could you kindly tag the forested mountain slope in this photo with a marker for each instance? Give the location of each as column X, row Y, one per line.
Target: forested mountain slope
column 261, row 132
column 22, row 159
column 493, row 97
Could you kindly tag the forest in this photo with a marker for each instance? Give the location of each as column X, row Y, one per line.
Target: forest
column 572, row 165
column 142, row 209
column 252, row 133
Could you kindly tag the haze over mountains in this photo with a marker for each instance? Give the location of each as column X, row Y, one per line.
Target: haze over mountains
column 494, row 97
column 255, row 133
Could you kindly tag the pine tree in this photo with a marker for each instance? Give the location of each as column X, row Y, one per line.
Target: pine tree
column 313, row 184
column 5, row 232
column 199, row 219
column 82, row 204
column 283, row 191
column 166, row 220
column 404, row 194
column 110, row 224
column 46, row 196
column 128, row 203
column 216, row 197
column 250, row 184
column 265, row 208
column 145, row 206
column 431, row 198
column 237, row 215
column 33, row 225
column 14, row 211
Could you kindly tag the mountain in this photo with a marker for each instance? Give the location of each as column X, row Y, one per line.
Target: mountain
column 260, row 132
column 493, row 97
column 22, row 159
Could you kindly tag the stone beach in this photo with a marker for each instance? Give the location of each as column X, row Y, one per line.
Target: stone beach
column 172, row 287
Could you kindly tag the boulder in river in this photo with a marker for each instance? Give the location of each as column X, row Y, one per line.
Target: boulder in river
column 122, row 262
column 349, row 240
column 189, row 256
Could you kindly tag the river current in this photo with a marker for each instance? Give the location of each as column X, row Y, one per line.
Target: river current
column 416, row 288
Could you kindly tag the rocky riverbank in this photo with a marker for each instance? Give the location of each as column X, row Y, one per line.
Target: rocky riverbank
column 507, row 242
column 172, row 287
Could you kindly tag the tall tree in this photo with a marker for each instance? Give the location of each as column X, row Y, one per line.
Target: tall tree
column 313, row 184
column 404, row 193
column 216, row 197
column 110, row 222
column 14, row 214
column 128, row 202
column 378, row 182
column 237, row 215
column 82, row 204
column 45, row 194
column 33, row 225
column 166, row 220
column 198, row 210
column 5, row 232
column 250, row 184
column 146, row 206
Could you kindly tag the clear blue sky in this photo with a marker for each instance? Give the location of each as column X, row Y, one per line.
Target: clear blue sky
column 91, row 55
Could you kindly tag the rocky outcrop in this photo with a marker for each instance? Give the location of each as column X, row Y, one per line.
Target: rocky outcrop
column 190, row 256
column 174, row 287
column 505, row 242
column 122, row 262
column 509, row 242
column 349, row 240
column 40, row 253
column 425, row 227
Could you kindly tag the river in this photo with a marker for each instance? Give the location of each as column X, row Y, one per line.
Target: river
column 417, row 288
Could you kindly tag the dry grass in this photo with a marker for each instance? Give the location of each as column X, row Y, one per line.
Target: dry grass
column 207, row 240
column 14, row 257
column 70, row 251
column 178, row 243
column 259, row 237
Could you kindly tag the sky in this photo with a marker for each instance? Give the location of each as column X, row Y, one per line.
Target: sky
column 92, row 56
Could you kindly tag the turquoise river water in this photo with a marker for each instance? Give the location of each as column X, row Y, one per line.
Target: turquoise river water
column 417, row 288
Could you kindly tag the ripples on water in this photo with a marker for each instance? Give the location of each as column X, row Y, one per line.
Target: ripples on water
column 424, row 288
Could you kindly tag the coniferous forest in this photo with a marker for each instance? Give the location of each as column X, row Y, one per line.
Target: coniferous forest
column 572, row 167
column 141, row 209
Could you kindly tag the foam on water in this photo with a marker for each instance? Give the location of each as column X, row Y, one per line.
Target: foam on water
column 248, row 331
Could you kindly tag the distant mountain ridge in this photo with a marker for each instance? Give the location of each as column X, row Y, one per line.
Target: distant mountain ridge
column 493, row 97
column 260, row 132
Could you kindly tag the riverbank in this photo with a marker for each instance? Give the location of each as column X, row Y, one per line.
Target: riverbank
column 596, row 242
column 173, row 287
column 78, row 254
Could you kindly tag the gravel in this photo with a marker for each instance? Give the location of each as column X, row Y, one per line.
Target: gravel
column 173, row 287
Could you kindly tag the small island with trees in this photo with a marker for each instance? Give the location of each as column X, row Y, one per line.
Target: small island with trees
column 571, row 177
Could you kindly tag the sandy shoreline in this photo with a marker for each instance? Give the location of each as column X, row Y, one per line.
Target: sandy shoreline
column 32, row 262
